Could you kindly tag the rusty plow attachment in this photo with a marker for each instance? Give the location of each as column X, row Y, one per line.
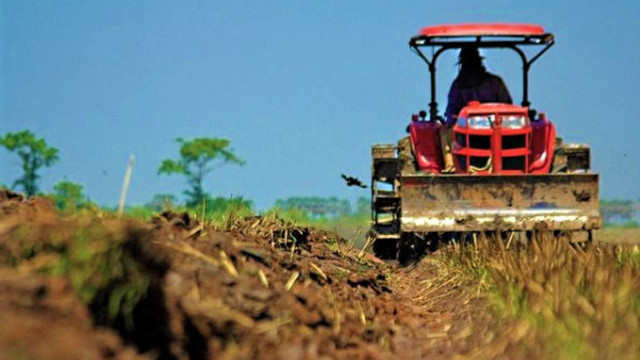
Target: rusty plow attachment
column 488, row 203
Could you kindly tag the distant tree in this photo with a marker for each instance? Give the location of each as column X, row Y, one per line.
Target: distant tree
column 622, row 210
column 161, row 202
column 337, row 207
column 316, row 206
column 363, row 206
column 308, row 205
column 34, row 154
column 68, row 195
column 198, row 157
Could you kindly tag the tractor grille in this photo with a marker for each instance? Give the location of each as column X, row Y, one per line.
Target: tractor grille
column 476, row 162
column 480, row 142
column 462, row 161
column 479, row 161
column 479, row 146
column 513, row 163
column 514, row 142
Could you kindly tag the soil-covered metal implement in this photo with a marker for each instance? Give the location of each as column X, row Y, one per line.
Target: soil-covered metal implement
column 511, row 173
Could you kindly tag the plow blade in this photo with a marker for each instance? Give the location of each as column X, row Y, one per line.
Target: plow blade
column 499, row 202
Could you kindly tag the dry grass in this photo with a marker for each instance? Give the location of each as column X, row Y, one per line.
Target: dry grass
column 618, row 235
column 553, row 300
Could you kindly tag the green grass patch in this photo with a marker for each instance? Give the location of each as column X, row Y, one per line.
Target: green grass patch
column 97, row 256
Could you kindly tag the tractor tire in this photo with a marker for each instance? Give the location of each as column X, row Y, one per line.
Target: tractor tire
column 385, row 249
column 412, row 248
column 407, row 253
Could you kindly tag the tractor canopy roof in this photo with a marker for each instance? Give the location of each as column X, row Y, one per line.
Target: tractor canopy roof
column 482, row 35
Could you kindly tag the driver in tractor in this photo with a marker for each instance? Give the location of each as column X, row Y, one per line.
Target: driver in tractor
column 473, row 83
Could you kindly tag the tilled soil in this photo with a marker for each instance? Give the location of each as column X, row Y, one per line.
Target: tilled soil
column 41, row 317
column 252, row 288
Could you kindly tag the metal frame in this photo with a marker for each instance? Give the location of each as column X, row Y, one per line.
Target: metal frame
column 455, row 42
column 498, row 202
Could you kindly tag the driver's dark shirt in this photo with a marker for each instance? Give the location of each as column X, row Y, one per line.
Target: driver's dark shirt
column 480, row 86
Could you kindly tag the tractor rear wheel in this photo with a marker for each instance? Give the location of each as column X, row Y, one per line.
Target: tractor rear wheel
column 385, row 249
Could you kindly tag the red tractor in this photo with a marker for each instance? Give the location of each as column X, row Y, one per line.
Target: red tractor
column 512, row 174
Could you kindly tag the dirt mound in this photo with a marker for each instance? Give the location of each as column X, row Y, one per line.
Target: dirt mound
column 42, row 318
column 177, row 288
column 16, row 204
column 268, row 289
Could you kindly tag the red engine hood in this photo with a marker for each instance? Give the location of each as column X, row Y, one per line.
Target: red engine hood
column 476, row 108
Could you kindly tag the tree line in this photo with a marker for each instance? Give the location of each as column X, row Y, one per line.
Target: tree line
column 196, row 159
column 619, row 211
column 328, row 207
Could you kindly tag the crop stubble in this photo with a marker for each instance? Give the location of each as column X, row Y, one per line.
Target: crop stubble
column 259, row 287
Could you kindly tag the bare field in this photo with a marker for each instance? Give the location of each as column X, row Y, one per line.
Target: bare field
column 91, row 286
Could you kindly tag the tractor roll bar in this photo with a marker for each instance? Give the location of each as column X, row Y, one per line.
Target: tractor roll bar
column 505, row 42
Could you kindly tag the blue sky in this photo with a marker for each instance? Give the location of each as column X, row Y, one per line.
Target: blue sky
column 301, row 88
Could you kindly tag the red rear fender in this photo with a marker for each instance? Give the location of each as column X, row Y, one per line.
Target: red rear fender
column 543, row 145
column 425, row 140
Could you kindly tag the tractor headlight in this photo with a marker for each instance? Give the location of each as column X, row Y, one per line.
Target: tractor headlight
column 514, row 122
column 481, row 122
